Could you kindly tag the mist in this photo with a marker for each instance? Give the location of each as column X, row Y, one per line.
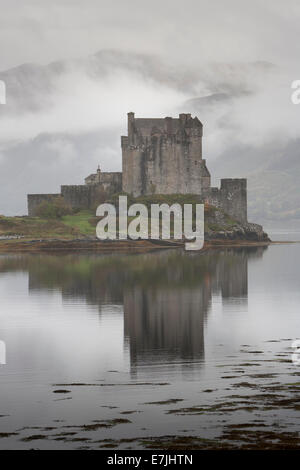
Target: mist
column 83, row 67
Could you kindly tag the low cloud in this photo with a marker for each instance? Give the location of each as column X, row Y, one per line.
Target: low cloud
column 63, row 119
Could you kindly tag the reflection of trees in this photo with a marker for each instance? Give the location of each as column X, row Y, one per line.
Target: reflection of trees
column 166, row 295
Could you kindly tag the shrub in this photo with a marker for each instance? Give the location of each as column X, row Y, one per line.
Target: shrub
column 76, row 210
column 54, row 209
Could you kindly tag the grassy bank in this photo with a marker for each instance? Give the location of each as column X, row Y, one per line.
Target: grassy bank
column 62, row 223
column 67, row 227
column 83, row 223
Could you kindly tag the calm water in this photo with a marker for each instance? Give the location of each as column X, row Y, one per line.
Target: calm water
column 116, row 350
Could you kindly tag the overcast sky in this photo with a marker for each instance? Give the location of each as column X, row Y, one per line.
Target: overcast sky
column 44, row 31
column 153, row 57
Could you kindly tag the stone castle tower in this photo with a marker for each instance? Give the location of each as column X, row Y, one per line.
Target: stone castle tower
column 164, row 156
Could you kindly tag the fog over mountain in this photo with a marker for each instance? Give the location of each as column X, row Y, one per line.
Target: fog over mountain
column 63, row 117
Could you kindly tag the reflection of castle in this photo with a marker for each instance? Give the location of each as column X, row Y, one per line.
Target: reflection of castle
column 166, row 295
column 231, row 275
column 165, row 324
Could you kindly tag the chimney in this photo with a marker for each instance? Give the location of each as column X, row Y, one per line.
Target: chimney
column 130, row 126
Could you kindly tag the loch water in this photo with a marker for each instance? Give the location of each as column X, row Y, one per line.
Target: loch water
column 138, row 350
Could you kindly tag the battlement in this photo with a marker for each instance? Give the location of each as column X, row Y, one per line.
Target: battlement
column 142, row 129
column 234, row 184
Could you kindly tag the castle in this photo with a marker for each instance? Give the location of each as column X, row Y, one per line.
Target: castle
column 159, row 156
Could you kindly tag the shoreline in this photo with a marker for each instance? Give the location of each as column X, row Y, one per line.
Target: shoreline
column 130, row 246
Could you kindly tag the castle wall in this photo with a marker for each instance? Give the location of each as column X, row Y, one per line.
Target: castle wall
column 77, row 196
column 87, row 196
column 231, row 197
column 111, row 182
column 34, row 200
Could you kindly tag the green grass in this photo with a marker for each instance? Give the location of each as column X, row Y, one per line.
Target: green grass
column 35, row 227
column 69, row 226
column 80, row 222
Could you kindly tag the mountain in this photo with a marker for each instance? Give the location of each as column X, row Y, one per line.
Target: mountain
column 63, row 119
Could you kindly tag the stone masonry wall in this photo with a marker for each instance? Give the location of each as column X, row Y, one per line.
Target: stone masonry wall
column 111, row 182
column 231, row 197
column 87, row 196
column 77, row 196
column 34, row 200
